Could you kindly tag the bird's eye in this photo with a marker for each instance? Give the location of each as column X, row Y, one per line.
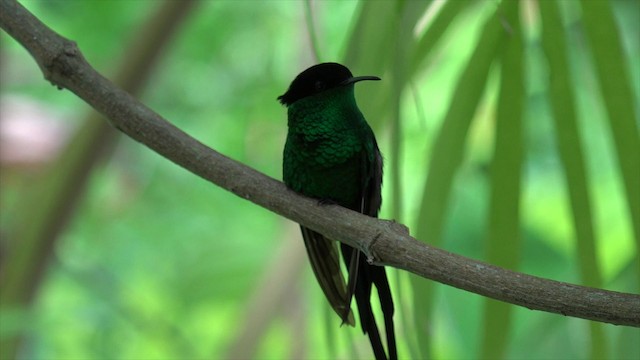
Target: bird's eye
column 320, row 85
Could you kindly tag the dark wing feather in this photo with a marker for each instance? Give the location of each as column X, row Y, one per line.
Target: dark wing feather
column 378, row 273
column 325, row 262
column 362, row 275
column 372, row 183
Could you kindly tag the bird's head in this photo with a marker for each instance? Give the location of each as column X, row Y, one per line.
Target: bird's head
column 320, row 78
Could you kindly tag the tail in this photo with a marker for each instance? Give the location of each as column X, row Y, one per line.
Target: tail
column 368, row 275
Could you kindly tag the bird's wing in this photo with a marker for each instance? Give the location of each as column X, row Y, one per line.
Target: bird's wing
column 363, row 275
column 325, row 262
column 370, row 202
column 371, row 181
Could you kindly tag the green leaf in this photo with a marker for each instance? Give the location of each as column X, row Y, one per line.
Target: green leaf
column 434, row 32
column 503, row 236
column 447, row 154
column 613, row 76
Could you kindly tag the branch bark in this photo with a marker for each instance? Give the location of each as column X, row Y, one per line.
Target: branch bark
column 385, row 242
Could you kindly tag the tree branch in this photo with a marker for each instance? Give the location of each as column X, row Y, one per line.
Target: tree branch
column 385, row 242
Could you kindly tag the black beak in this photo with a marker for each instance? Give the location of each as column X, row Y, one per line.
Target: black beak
column 355, row 79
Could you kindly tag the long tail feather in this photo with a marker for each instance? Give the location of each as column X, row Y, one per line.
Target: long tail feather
column 379, row 277
column 368, row 275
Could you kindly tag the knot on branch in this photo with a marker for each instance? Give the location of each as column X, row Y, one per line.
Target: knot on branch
column 63, row 63
column 398, row 228
column 375, row 250
column 372, row 256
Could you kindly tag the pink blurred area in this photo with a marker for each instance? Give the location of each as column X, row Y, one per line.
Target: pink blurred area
column 31, row 133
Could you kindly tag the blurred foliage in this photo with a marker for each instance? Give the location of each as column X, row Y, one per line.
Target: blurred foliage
column 158, row 264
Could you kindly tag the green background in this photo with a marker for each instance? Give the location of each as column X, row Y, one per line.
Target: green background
column 486, row 156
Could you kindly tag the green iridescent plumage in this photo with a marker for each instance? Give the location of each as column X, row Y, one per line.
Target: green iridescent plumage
column 331, row 154
column 319, row 139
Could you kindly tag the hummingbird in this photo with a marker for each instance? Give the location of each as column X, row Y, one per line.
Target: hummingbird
column 331, row 154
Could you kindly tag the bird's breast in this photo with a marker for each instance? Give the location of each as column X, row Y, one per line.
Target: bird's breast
column 324, row 166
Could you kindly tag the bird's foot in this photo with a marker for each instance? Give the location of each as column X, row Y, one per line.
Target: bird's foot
column 327, row 202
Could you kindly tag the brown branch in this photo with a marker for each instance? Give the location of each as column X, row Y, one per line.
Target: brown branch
column 385, row 242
